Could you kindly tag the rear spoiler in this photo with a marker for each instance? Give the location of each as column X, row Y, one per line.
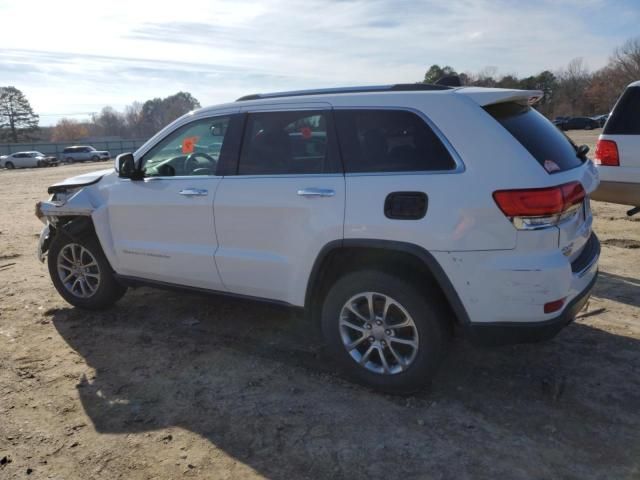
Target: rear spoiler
column 489, row 96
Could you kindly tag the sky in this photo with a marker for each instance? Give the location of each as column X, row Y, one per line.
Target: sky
column 73, row 57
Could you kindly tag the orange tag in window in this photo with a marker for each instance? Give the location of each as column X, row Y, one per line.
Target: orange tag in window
column 306, row 132
column 189, row 144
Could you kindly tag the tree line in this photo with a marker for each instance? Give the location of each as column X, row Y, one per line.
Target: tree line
column 19, row 123
column 572, row 90
column 138, row 120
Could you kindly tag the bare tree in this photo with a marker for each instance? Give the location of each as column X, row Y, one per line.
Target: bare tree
column 627, row 59
column 69, row 130
column 572, row 85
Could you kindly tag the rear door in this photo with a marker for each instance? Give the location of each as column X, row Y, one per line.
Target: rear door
column 282, row 203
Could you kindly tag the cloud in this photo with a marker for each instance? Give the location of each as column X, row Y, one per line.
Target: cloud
column 219, row 50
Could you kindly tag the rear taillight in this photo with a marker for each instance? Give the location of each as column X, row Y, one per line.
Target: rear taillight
column 534, row 208
column 607, row 153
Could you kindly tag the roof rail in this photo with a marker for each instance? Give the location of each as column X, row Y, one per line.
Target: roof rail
column 398, row 87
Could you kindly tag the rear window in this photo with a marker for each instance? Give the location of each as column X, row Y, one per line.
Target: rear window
column 548, row 145
column 625, row 118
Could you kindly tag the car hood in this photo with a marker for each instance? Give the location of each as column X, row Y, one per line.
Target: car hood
column 79, row 181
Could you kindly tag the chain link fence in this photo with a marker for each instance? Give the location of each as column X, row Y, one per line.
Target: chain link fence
column 114, row 147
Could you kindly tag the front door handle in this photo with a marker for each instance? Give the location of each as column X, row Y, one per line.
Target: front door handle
column 193, row 192
column 316, row 192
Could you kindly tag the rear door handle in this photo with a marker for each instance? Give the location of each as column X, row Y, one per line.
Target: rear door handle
column 193, row 192
column 316, row 192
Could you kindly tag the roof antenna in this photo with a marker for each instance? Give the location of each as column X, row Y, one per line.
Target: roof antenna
column 449, row 81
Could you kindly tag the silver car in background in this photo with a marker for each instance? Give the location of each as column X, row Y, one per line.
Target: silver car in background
column 84, row 153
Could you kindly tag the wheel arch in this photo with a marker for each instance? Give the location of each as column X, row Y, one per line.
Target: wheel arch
column 341, row 256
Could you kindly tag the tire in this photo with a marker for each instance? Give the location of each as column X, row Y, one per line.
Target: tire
column 426, row 313
column 69, row 160
column 9, row 165
column 99, row 289
column 40, row 164
column 95, row 158
column 588, row 127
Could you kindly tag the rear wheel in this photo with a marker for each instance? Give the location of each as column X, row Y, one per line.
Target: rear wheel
column 383, row 331
column 81, row 273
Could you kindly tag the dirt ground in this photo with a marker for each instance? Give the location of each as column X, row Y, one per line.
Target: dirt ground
column 169, row 385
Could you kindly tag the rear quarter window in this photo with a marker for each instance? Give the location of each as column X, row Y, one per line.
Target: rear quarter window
column 625, row 117
column 389, row 141
column 543, row 140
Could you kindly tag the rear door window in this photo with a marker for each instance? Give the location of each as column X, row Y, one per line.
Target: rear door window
column 389, row 141
column 548, row 145
column 625, row 118
column 288, row 142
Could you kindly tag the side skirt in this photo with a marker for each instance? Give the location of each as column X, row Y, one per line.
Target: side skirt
column 135, row 282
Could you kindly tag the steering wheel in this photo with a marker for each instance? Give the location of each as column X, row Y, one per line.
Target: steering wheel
column 191, row 162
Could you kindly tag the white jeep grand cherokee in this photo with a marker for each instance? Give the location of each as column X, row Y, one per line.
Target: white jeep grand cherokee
column 390, row 214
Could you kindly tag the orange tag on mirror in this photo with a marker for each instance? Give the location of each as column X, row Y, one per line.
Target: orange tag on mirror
column 189, row 144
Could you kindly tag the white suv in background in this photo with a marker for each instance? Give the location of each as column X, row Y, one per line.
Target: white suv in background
column 83, row 154
column 390, row 214
column 617, row 153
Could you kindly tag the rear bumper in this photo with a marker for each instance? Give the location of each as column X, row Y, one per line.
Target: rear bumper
column 624, row 193
column 503, row 333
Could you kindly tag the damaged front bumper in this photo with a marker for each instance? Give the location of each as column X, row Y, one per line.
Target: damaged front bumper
column 61, row 205
column 43, row 243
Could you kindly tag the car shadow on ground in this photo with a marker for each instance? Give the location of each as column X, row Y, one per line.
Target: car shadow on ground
column 254, row 381
column 618, row 288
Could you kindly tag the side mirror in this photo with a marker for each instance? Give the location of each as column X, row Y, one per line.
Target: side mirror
column 126, row 167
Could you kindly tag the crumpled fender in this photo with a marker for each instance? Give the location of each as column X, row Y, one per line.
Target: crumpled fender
column 79, row 181
column 79, row 204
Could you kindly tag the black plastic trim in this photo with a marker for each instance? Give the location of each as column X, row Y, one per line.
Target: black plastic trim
column 406, row 205
column 506, row 333
column 589, row 253
column 394, row 246
column 399, row 87
column 131, row 281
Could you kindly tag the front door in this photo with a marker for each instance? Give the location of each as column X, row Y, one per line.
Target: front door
column 162, row 226
column 285, row 202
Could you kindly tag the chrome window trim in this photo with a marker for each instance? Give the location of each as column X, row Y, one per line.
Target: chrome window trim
column 286, row 175
column 460, row 167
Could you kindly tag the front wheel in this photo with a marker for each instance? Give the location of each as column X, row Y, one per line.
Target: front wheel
column 383, row 331
column 81, row 273
column 9, row 165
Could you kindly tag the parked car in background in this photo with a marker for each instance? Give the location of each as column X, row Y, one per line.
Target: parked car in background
column 392, row 215
column 84, row 153
column 617, row 155
column 560, row 121
column 601, row 119
column 578, row 123
column 27, row 160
